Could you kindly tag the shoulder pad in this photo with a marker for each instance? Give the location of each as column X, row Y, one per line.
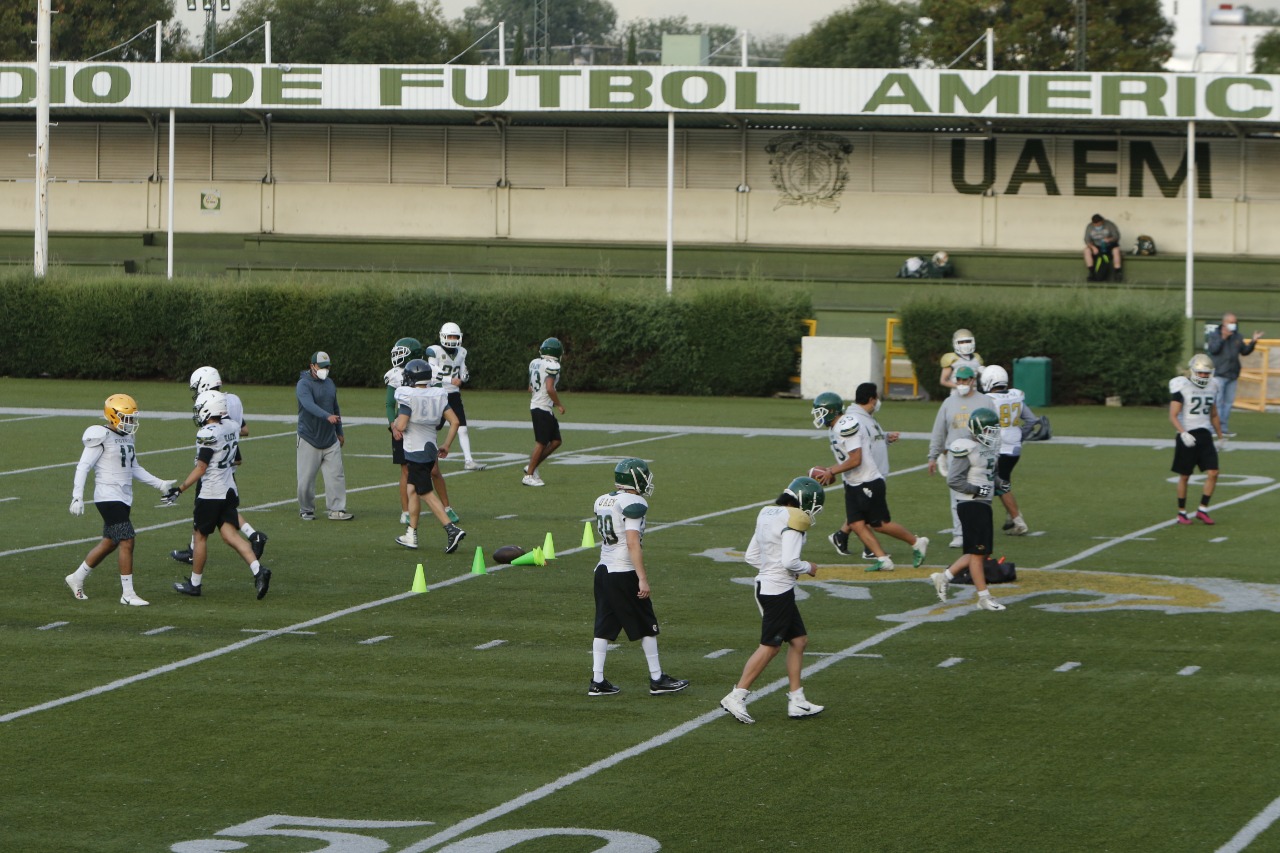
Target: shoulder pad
column 798, row 519
column 94, row 435
column 435, row 351
column 962, row 446
column 978, row 359
column 402, row 394
column 1176, row 383
column 635, row 509
column 207, row 436
column 394, row 377
column 552, row 367
column 948, row 359
column 848, row 426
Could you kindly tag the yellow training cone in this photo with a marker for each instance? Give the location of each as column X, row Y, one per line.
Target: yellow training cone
column 529, row 558
column 588, row 540
column 419, row 581
column 549, row 548
column 539, row 558
column 477, row 564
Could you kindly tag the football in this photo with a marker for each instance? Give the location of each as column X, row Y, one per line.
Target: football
column 818, row 474
column 507, row 553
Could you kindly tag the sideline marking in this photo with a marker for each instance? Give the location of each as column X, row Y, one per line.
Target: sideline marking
column 155, row 631
column 492, row 644
column 1253, row 828
column 949, row 662
column 265, row 630
column 52, row 625
column 1068, row 666
column 718, row 653
column 1189, row 670
column 372, row 640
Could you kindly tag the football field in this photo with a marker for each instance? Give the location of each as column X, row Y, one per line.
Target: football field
column 1125, row 701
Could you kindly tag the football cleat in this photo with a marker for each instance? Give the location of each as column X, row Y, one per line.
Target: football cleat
column 340, row 515
column 183, row 555
column 918, row 551
column 531, row 481
column 186, row 588
column 986, row 602
column 408, row 539
column 868, row 554
column 262, row 581
column 737, row 706
column 1183, row 518
column 1008, row 524
column 1019, row 527
column 132, row 599
column 666, row 684
column 840, row 540
column 306, row 515
column 882, row 564
column 77, row 587
column 453, row 537
column 799, row 707
column 473, row 465
column 1202, row 515
column 941, row 584
column 258, row 542
column 602, row 688
column 957, row 542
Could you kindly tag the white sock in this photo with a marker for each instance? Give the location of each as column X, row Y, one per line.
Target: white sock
column 985, row 593
column 650, row 646
column 126, row 584
column 255, row 567
column 946, row 573
column 192, row 546
column 247, row 529
column 797, row 695
column 83, row 571
column 599, row 648
column 465, row 440
column 197, row 579
column 739, row 692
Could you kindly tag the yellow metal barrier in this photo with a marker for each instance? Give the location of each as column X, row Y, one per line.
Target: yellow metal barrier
column 810, row 331
column 895, row 353
column 1259, row 383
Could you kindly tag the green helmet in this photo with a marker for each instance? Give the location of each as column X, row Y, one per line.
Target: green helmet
column 827, row 408
column 551, row 347
column 985, row 426
column 405, row 349
column 634, row 474
column 809, row 493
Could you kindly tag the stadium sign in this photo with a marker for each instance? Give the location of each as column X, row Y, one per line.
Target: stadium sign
column 799, row 91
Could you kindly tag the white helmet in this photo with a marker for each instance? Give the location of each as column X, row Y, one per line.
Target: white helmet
column 940, row 259
column 210, row 404
column 450, row 336
column 994, row 378
column 963, row 343
column 204, row 379
column 1201, row 367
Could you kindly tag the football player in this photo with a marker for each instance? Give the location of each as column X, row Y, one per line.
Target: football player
column 860, row 446
column 208, row 379
column 952, row 423
column 1193, row 410
column 544, row 373
column 774, row 553
column 1016, row 420
column 973, row 480
column 421, row 410
column 402, row 351
column 623, row 599
column 963, row 354
column 448, row 362
column 217, row 504
column 109, row 453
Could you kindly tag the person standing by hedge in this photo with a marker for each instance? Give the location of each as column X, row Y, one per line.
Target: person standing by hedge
column 964, row 354
column 544, row 373
column 320, row 441
column 1225, row 346
column 951, row 424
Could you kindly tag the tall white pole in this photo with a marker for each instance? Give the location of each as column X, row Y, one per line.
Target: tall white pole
column 502, row 43
column 991, row 49
column 159, row 36
column 266, row 34
column 671, row 195
column 1191, row 217
column 172, row 134
column 743, row 40
column 43, row 14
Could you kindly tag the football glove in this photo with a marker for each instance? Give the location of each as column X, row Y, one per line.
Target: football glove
column 983, row 492
column 1187, row 439
column 1003, row 487
column 77, row 506
column 171, row 496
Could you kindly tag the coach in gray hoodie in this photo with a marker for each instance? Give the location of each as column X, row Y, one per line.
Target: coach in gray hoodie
column 320, row 441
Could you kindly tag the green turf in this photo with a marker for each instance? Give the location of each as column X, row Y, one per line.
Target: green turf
column 998, row 752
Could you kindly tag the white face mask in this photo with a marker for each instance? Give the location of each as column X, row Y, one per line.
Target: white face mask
column 1231, row 327
column 876, row 407
column 322, row 373
column 963, row 390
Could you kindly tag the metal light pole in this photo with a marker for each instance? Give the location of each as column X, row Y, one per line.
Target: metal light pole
column 210, row 22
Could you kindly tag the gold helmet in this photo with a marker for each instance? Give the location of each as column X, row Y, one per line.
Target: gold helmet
column 1201, row 370
column 963, row 343
column 121, row 412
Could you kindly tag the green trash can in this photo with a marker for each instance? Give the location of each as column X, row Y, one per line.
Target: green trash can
column 1032, row 376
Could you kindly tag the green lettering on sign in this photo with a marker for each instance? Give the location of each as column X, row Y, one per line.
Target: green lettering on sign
column 393, row 81
column 274, row 85
column 959, row 148
column 1215, row 97
column 634, row 85
column 1033, row 153
column 26, row 85
column 497, row 87
column 1151, row 94
column 747, row 94
column 897, row 89
column 1084, row 166
column 548, row 83
column 673, row 90
column 118, row 84
column 239, row 80
column 1186, row 96
column 1042, row 91
column 1003, row 89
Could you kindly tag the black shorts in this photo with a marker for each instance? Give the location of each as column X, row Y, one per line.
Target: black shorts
column 455, row 403
column 1204, row 454
column 975, row 527
column 213, row 513
column 546, row 428
column 619, row 607
column 779, row 618
column 1004, row 466
column 116, row 525
column 397, row 451
column 866, row 502
column 420, row 476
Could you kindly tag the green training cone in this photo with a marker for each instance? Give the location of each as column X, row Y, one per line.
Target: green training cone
column 549, row 548
column 539, row 558
column 588, row 540
column 477, row 564
column 529, row 559
column 419, row 581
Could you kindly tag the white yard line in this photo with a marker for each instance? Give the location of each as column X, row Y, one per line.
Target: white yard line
column 1253, row 828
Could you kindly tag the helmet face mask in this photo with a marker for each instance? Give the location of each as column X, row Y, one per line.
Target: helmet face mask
column 209, row 405
column 405, row 350
column 995, row 378
column 417, row 372
column 634, row 474
column 551, row 348
column 985, row 426
column 121, row 412
column 963, row 342
column 827, row 409
column 450, row 336
column 204, row 379
column 809, row 493
column 1201, row 370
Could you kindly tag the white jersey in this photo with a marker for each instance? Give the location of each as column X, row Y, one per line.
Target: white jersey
column 1197, row 403
column 972, row 466
column 425, row 407
column 445, row 367
column 216, row 444
column 113, row 460
column 853, row 433
column 543, row 370
column 393, row 378
column 616, row 513
column 1009, row 409
column 775, row 548
column 235, row 411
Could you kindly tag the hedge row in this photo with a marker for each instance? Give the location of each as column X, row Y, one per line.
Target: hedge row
column 1102, row 344
column 736, row 340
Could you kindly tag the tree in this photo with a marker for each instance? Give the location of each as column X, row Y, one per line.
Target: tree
column 868, row 34
column 1040, row 35
column 1266, row 54
column 85, row 28
column 569, row 22
column 343, row 31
